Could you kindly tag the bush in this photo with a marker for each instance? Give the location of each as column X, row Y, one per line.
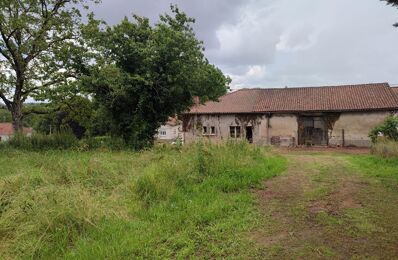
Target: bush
column 386, row 148
column 389, row 130
column 102, row 142
column 39, row 142
column 63, row 141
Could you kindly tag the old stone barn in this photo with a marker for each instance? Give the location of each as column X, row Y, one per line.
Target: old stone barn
column 326, row 116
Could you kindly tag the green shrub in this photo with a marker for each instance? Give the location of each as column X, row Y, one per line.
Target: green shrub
column 39, row 142
column 63, row 141
column 389, row 130
column 102, row 142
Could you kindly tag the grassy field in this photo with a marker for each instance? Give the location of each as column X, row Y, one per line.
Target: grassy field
column 195, row 201
column 200, row 201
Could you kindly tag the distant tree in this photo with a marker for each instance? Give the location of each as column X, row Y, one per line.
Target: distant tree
column 149, row 72
column 40, row 49
column 393, row 3
column 73, row 113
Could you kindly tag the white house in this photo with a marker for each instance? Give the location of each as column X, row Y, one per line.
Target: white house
column 170, row 131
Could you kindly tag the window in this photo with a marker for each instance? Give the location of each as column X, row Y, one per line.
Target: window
column 234, row 131
column 206, row 130
column 162, row 132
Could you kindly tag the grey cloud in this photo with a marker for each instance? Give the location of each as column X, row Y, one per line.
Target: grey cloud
column 284, row 42
column 209, row 14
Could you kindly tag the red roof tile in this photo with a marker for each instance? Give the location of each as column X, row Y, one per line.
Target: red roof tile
column 395, row 90
column 7, row 129
column 331, row 98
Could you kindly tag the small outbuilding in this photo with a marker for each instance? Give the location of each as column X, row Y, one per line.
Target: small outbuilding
column 322, row 116
column 7, row 131
column 170, row 131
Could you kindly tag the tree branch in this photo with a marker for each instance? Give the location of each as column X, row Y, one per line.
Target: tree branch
column 5, row 100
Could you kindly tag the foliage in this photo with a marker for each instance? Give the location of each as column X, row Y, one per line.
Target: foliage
column 102, row 143
column 386, row 149
column 389, row 129
column 72, row 113
column 147, row 73
column 39, row 142
column 41, row 51
column 5, row 115
column 112, row 205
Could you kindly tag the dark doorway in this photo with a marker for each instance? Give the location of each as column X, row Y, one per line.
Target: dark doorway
column 312, row 131
column 249, row 134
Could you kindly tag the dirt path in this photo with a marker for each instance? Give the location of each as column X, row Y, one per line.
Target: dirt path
column 320, row 207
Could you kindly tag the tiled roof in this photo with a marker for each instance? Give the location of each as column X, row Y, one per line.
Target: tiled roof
column 7, row 129
column 395, row 90
column 363, row 97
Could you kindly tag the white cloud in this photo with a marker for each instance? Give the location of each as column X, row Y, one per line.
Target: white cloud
column 275, row 43
column 254, row 74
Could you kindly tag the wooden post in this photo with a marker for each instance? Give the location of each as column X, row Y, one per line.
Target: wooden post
column 343, row 137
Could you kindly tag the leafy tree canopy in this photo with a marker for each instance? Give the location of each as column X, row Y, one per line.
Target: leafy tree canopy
column 147, row 73
column 40, row 49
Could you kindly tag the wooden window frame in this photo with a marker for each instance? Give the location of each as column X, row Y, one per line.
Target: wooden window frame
column 236, row 133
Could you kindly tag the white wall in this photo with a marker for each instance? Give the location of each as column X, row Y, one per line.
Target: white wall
column 4, row 138
column 172, row 133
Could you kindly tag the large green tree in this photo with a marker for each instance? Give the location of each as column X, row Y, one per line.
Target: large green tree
column 150, row 72
column 40, row 50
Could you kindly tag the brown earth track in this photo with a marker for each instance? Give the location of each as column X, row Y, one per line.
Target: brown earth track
column 321, row 208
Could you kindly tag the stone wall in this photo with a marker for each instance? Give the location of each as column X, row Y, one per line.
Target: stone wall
column 282, row 129
column 356, row 127
column 284, row 126
column 193, row 126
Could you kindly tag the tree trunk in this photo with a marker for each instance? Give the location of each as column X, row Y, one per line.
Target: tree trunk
column 16, row 112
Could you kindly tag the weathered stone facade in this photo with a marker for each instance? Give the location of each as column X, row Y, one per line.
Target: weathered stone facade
column 285, row 129
column 330, row 115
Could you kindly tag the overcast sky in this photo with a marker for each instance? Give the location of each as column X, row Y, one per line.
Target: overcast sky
column 277, row 43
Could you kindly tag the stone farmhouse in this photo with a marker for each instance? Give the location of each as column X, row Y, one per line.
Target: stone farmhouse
column 321, row 116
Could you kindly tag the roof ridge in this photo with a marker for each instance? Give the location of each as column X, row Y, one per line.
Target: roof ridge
column 312, row 87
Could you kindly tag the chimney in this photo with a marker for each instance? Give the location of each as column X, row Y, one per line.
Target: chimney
column 196, row 100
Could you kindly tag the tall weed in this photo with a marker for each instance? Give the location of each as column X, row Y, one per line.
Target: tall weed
column 386, row 149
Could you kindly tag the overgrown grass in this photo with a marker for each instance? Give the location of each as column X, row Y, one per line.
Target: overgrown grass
column 164, row 203
column 63, row 141
column 385, row 170
column 386, row 149
column 41, row 142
